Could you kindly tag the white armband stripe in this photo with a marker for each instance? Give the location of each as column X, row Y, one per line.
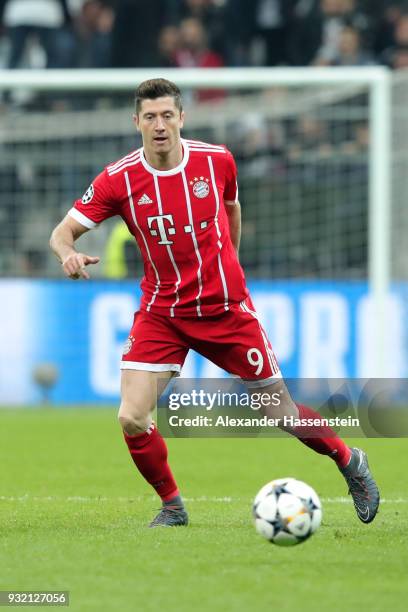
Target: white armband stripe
column 82, row 219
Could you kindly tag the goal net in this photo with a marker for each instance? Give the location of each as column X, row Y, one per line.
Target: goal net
column 302, row 148
column 313, row 149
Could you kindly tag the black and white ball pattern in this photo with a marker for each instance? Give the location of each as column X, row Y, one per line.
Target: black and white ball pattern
column 287, row 511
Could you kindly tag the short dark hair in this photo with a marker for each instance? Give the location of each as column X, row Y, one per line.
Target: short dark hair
column 157, row 88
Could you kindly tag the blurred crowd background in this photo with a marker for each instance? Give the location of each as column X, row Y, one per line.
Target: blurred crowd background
column 302, row 153
column 202, row 33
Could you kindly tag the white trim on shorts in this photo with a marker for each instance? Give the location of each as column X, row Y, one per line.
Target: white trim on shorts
column 265, row 382
column 269, row 351
column 150, row 367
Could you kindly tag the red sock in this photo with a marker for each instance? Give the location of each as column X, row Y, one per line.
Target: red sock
column 149, row 453
column 321, row 438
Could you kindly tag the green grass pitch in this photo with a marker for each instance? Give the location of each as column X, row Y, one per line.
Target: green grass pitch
column 73, row 516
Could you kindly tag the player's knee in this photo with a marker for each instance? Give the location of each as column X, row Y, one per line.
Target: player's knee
column 281, row 403
column 133, row 422
column 288, row 408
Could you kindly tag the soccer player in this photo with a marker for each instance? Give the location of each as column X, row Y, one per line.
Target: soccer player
column 179, row 198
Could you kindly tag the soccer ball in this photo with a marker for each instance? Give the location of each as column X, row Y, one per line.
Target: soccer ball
column 287, row 511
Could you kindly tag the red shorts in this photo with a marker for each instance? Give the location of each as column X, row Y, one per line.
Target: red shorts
column 234, row 341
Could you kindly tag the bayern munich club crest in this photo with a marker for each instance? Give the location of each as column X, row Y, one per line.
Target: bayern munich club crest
column 128, row 345
column 88, row 195
column 201, row 188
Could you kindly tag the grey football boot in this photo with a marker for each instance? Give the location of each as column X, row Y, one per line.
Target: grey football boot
column 170, row 516
column 362, row 486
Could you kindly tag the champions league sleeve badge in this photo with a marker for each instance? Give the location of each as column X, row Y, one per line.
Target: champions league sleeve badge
column 88, row 195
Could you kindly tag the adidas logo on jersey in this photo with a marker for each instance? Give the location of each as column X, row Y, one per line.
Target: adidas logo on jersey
column 145, row 200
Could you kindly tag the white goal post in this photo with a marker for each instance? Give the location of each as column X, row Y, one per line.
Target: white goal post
column 376, row 80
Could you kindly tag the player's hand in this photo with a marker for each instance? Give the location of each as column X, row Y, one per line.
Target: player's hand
column 74, row 265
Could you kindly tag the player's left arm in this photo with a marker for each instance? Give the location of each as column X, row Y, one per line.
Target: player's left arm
column 232, row 205
column 233, row 209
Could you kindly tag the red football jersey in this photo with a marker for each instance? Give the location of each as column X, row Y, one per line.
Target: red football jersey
column 179, row 220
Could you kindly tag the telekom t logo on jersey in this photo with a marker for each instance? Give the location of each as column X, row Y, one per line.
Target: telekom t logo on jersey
column 163, row 226
column 157, row 225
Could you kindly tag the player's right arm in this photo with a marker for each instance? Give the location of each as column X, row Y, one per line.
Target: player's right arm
column 62, row 244
column 96, row 205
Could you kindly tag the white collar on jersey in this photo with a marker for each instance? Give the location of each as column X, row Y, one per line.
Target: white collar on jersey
column 176, row 170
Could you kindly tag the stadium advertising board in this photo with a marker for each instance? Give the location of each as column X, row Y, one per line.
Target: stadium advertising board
column 318, row 330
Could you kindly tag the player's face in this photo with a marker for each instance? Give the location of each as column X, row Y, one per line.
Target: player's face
column 159, row 122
